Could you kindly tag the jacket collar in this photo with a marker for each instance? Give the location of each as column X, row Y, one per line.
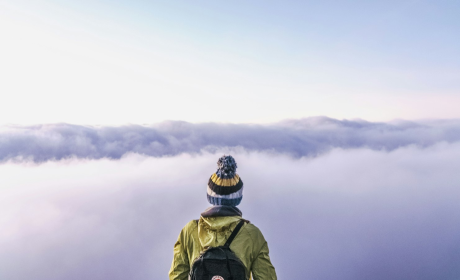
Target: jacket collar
column 221, row 211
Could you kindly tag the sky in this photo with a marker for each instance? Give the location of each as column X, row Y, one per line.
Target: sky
column 342, row 116
column 143, row 62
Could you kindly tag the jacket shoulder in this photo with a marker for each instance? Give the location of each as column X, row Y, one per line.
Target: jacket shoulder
column 190, row 226
column 252, row 228
column 255, row 233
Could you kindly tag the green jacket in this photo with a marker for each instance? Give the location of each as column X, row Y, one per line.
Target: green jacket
column 249, row 245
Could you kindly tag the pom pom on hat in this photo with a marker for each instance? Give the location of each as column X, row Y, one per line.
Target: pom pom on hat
column 226, row 167
column 225, row 187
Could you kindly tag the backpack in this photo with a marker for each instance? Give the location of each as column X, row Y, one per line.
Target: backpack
column 219, row 263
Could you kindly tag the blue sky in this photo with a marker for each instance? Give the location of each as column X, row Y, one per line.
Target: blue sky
column 148, row 61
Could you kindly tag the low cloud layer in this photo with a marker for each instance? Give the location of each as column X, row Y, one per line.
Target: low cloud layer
column 298, row 138
column 350, row 214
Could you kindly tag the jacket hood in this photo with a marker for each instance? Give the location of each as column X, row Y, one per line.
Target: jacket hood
column 216, row 224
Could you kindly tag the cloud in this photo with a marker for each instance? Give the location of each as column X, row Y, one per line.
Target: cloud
column 298, row 138
column 354, row 213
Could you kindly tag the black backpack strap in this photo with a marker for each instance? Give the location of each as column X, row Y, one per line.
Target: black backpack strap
column 234, row 233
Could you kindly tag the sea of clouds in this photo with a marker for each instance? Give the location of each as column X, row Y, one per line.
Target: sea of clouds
column 297, row 138
column 334, row 199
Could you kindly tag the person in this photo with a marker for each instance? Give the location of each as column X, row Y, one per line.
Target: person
column 224, row 192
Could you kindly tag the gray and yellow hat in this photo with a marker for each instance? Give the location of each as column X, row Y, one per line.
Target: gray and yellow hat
column 225, row 186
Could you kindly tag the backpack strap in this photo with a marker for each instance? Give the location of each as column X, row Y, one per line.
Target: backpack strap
column 234, row 233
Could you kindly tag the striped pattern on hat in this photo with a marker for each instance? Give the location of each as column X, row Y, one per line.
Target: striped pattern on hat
column 225, row 187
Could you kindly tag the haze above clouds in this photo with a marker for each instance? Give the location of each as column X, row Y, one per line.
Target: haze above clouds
column 119, row 62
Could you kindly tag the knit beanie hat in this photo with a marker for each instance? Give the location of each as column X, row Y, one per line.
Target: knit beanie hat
column 225, row 186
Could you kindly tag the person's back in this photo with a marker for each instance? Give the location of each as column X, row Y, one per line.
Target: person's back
column 216, row 225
